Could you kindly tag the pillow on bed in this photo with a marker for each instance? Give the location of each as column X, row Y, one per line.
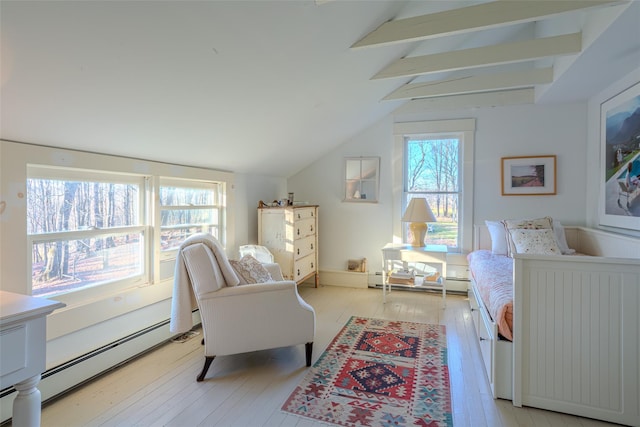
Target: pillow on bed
column 498, row 237
column 545, row 223
column 535, row 242
column 561, row 238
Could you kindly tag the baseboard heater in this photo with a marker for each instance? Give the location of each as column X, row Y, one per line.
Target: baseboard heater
column 377, row 283
column 63, row 378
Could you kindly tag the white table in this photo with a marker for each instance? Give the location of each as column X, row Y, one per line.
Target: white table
column 23, row 342
column 430, row 254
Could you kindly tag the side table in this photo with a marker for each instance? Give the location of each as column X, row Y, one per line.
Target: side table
column 430, row 254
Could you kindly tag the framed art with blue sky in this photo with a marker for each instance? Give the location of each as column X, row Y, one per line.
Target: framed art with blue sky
column 619, row 204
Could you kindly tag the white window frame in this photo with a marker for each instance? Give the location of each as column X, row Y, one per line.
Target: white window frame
column 215, row 186
column 91, row 306
column 465, row 128
column 405, row 185
column 143, row 227
column 149, row 225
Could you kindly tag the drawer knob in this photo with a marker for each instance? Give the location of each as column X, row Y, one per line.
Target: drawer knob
column 311, row 265
column 298, row 251
column 298, row 230
column 312, row 246
column 298, row 272
column 483, row 339
column 311, row 228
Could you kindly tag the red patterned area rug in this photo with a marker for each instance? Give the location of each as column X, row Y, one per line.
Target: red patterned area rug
column 378, row 373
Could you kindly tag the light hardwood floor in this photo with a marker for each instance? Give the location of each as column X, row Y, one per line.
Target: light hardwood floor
column 160, row 388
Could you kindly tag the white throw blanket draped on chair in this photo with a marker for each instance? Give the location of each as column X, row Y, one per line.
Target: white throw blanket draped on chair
column 183, row 298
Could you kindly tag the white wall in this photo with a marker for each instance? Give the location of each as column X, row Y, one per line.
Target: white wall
column 249, row 190
column 349, row 230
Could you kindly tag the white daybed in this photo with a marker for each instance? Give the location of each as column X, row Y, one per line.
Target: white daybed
column 576, row 329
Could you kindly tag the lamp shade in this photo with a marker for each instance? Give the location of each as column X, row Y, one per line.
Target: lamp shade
column 418, row 211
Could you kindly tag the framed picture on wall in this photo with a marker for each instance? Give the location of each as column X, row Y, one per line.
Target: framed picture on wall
column 619, row 204
column 529, row 176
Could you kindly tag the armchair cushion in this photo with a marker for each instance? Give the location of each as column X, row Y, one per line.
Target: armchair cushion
column 183, row 291
column 203, row 270
column 250, row 270
column 274, row 270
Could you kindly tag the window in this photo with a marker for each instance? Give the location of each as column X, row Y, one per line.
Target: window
column 188, row 207
column 361, row 179
column 434, row 160
column 86, row 229
column 432, row 171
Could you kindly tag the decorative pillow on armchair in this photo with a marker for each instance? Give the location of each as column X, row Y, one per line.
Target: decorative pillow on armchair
column 250, row 270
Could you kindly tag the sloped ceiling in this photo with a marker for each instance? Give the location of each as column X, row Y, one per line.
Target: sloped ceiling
column 267, row 87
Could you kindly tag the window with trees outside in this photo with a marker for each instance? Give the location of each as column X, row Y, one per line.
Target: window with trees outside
column 187, row 207
column 88, row 228
column 434, row 159
column 432, row 171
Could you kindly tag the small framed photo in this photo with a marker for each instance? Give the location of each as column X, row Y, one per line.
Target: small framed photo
column 529, row 176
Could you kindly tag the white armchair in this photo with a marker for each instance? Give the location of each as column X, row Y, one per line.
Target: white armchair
column 236, row 319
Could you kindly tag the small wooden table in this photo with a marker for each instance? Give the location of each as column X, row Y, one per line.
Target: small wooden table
column 23, row 341
column 430, row 254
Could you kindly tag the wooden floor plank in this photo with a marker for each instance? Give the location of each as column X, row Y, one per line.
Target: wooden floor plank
column 159, row 388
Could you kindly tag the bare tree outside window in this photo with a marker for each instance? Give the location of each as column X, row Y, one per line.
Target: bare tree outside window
column 86, row 233
column 187, row 210
column 432, row 171
column 81, row 233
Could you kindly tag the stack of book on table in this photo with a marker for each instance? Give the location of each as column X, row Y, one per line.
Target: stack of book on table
column 402, row 277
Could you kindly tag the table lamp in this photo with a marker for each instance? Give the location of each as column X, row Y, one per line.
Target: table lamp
column 418, row 213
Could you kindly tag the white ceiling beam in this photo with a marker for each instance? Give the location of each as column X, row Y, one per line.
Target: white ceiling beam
column 474, row 100
column 471, row 18
column 507, row 53
column 474, row 84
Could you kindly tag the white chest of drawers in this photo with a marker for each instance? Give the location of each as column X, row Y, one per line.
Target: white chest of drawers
column 291, row 234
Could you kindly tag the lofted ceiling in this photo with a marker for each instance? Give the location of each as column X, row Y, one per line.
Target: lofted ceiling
column 267, row 87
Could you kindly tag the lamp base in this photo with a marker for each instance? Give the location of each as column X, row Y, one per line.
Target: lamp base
column 417, row 233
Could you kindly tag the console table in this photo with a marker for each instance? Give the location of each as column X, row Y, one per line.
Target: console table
column 430, row 254
column 23, row 342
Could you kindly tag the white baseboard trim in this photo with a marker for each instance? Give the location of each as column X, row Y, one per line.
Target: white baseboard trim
column 454, row 284
column 350, row 279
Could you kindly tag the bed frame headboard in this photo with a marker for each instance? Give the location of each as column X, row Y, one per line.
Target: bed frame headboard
column 482, row 238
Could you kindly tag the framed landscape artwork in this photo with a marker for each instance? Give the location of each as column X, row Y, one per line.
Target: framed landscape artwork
column 529, row 176
column 619, row 204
